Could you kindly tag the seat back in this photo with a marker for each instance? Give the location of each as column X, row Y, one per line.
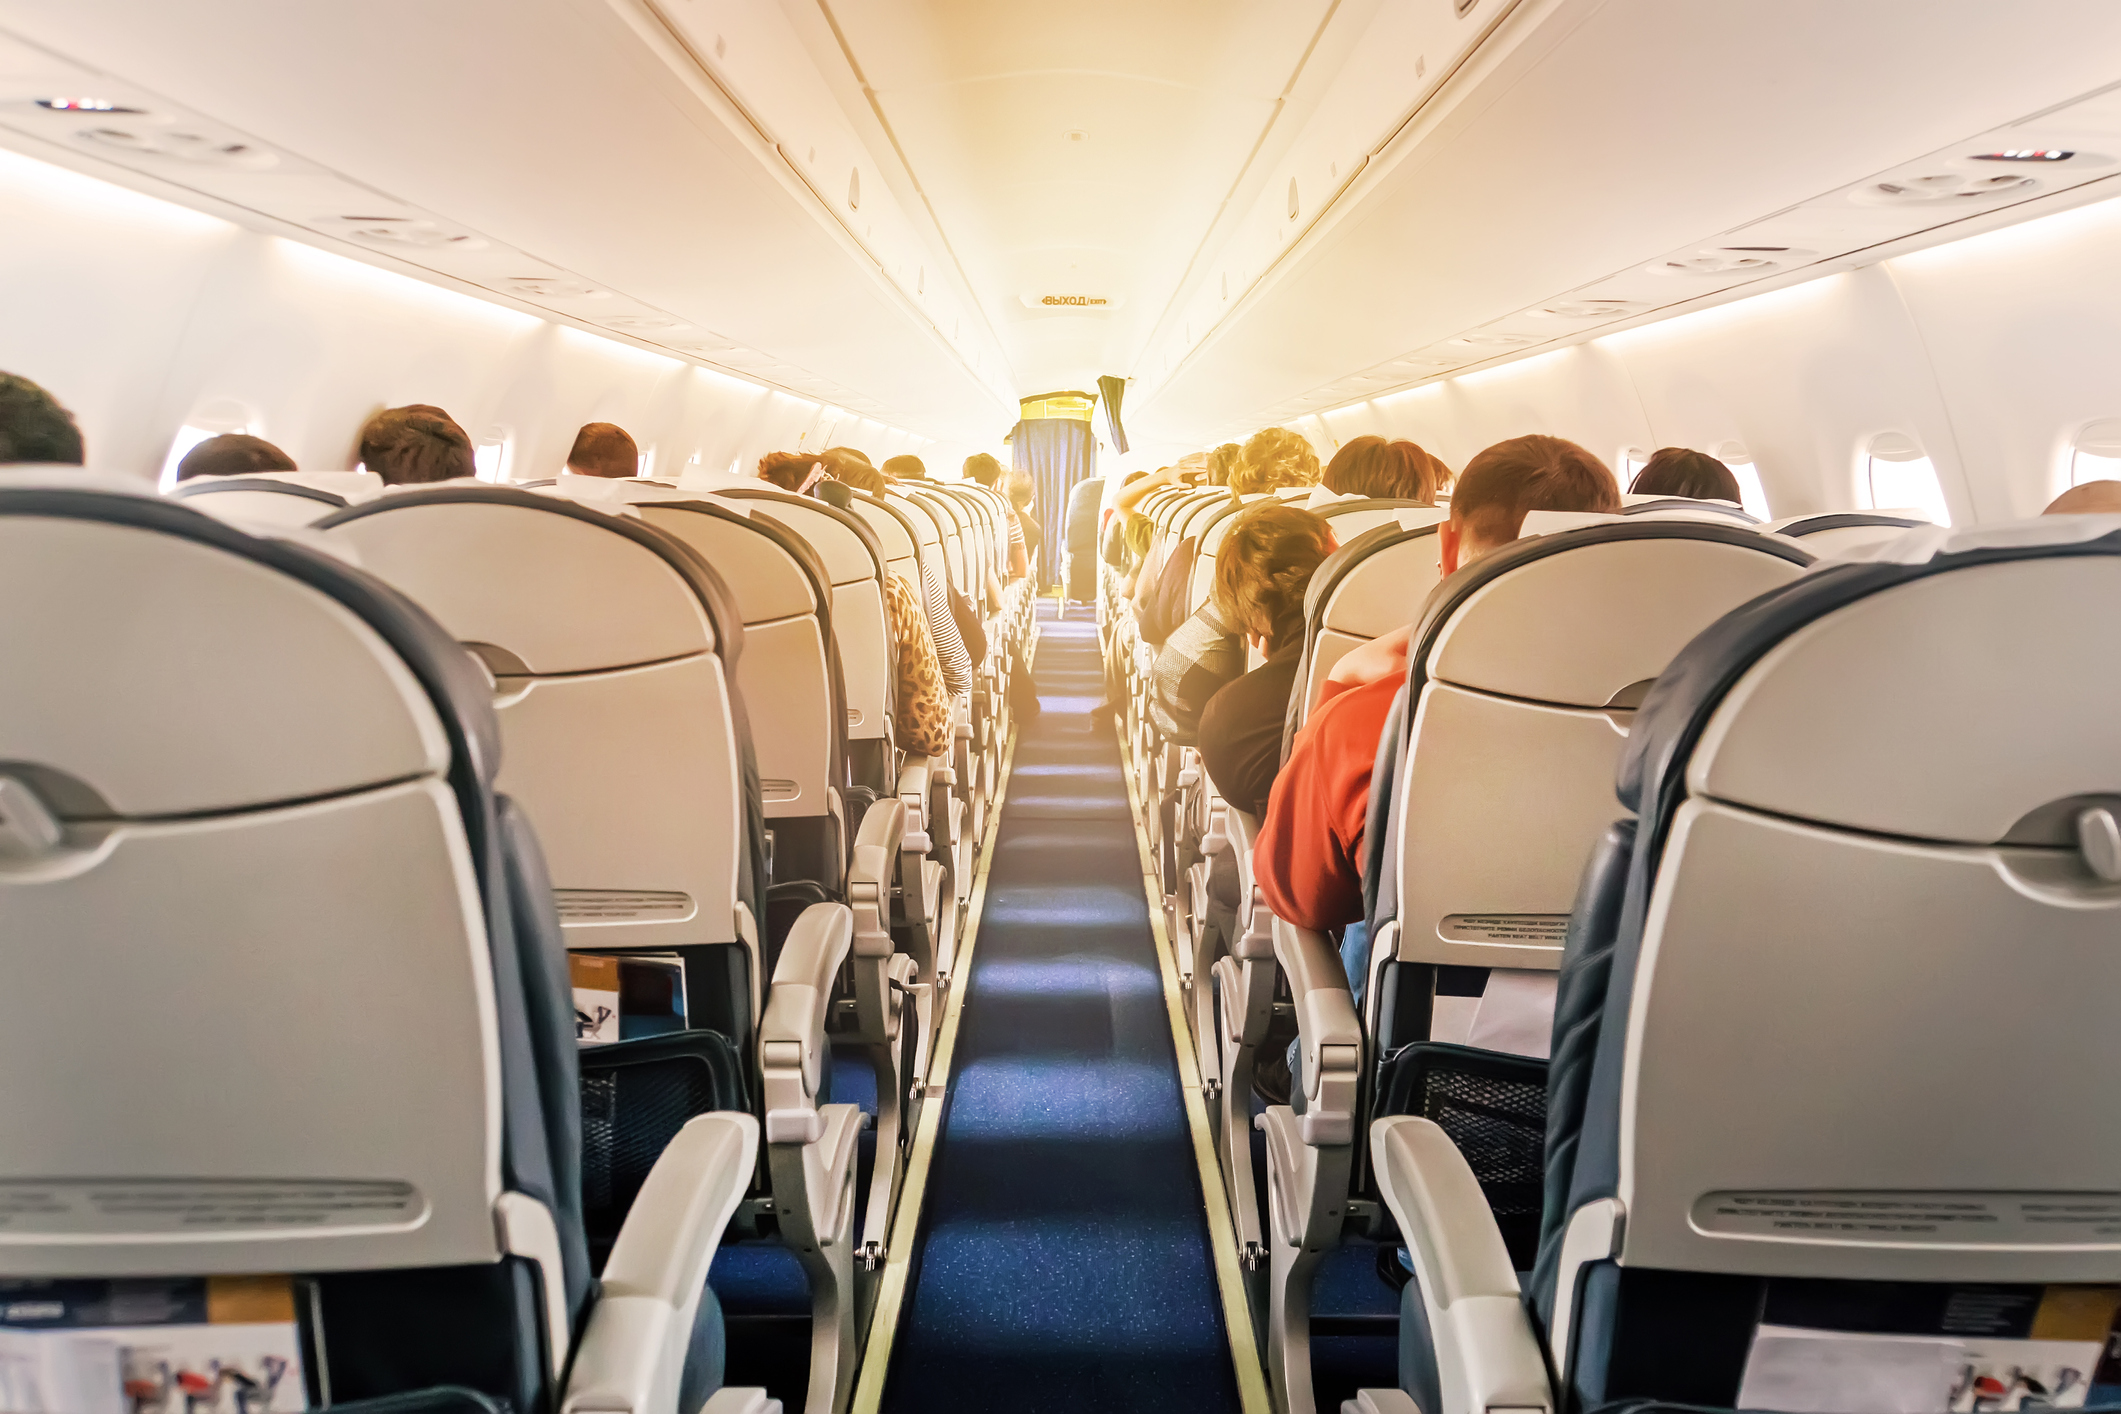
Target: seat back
column 1687, row 508
column 1373, row 584
column 789, row 674
column 1524, row 673
column 299, row 1001
column 1876, row 818
column 614, row 650
column 1838, row 532
column 854, row 563
column 1211, row 527
column 277, row 499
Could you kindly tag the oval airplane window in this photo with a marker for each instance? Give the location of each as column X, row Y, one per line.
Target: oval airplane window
column 1898, row 475
column 2096, row 454
column 1752, row 494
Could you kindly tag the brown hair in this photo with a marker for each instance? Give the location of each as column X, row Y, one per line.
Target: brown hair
column 1525, row 474
column 604, row 449
column 1681, row 471
column 1222, row 461
column 787, row 470
column 233, row 454
column 983, row 468
column 1371, row 466
column 1274, row 457
column 906, row 467
column 1265, row 565
column 416, row 444
column 860, row 475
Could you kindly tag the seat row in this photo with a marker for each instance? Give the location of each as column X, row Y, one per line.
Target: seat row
column 1424, row 1106
column 372, row 787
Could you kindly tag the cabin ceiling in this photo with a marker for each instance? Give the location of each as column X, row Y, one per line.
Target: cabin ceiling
column 910, row 208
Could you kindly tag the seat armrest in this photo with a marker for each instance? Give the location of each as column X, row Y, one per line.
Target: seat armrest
column 792, row 1031
column 1329, row 1029
column 869, row 876
column 1487, row 1354
column 743, row 1401
column 1243, row 831
column 913, row 780
column 631, row 1357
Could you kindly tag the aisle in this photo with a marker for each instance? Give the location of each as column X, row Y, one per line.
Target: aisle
column 1064, row 1260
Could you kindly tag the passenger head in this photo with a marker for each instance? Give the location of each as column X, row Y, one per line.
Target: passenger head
column 233, row 454
column 906, row 468
column 416, row 444
column 1371, row 466
column 1510, row 478
column 983, row 468
column 787, row 470
column 1222, row 461
column 1274, row 457
column 1265, row 566
column 1021, row 488
column 860, row 475
column 1440, row 476
column 34, row 429
column 604, row 449
column 1680, row 471
column 1137, row 531
column 2093, row 498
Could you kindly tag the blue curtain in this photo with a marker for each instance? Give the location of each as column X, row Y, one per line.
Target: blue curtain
column 1057, row 452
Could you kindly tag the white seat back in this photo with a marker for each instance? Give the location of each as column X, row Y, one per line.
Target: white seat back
column 277, row 500
column 1373, row 584
column 1838, row 532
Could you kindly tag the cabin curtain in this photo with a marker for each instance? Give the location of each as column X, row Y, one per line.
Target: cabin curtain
column 1056, row 452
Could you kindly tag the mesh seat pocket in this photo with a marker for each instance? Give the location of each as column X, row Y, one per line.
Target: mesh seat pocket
column 636, row 1096
column 1494, row 1108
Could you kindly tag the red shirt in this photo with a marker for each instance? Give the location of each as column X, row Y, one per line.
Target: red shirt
column 1308, row 854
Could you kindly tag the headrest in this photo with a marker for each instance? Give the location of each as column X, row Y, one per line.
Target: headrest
column 1686, row 508
column 844, row 542
column 253, row 501
column 761, row 559
column 920, row 519
column 1337, row 567
column 541, row 585
column 183, row 668
column 622, row 490
column 1548, row 522
column 893, row 525
column 1577, row 617
column 1966, row 697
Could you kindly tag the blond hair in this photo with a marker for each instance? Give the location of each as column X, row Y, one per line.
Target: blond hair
column 1274, row 457
column 1265, row 565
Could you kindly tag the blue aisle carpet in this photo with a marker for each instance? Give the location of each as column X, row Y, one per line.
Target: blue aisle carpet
column 1064, row 1260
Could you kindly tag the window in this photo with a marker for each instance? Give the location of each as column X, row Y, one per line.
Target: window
column 1632, row 461
column 489, row 458
column 188, row 437
column 2096, row 455
column 1898, row 476
column 1751, row 493
column 644, row 465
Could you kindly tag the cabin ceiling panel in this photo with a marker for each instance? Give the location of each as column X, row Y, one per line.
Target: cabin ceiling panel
column 549, row 131
column 1599, row 138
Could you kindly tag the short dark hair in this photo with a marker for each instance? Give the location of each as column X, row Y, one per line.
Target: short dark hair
column 1371, row 466
column 416, row 444
column 861, row 476
column 788, row 470
column 1524, row 474
column 1681, row 471
column 983, row 468
column 233, row 454
column 34, row 427
column 906, row 467
column 604, row 449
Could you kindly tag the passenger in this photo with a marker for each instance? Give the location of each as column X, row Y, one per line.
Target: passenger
column 1373, row 467
column 1198, row 658
column 1261, row 575
column 1024, row 528
column 794, row 472
column 34, row 429
column 851, row 468
column 984, row 469
column 604, row 449
column 233, row 454
column 1274, row 457
column 1306, row 859
column 1222, row 461
column 416, row 445
column 920, row 711
column 2093, row 498
column 860, row 475
column 906, row 467
column 1679, row 471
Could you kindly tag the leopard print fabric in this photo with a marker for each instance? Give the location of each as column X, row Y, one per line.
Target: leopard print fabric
column 921, row 713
